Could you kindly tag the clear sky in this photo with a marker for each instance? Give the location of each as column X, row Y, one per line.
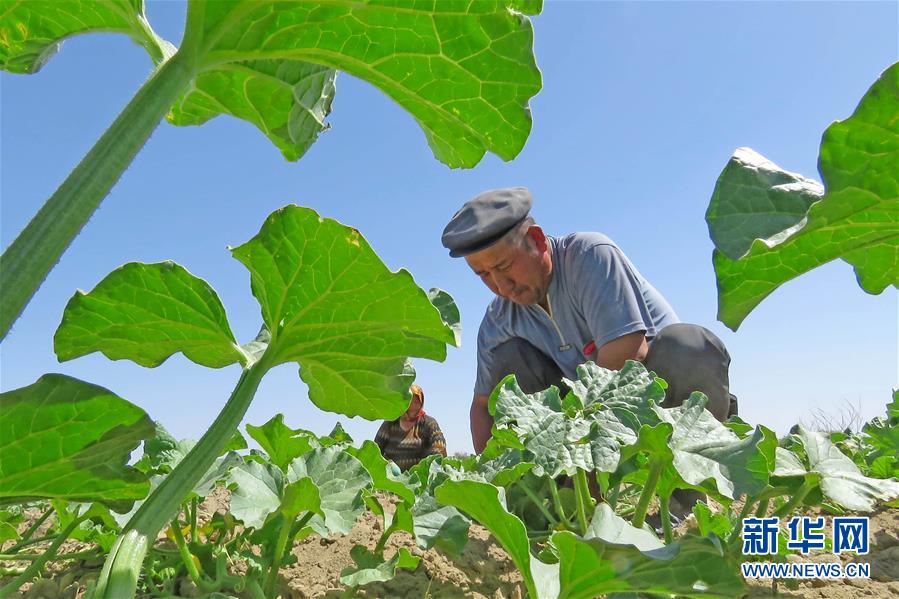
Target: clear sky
column 642, row 105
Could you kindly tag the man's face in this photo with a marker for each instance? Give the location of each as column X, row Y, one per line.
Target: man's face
column 517, row 271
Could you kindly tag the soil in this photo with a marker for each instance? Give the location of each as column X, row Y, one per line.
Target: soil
column 483, row 570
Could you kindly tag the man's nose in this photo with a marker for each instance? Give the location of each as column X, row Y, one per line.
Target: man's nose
column 503, row 283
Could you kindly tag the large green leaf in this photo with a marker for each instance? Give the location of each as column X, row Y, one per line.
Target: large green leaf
column 703, row 449
column 441, row 526
column 756, row 199
column 332, row 306
column 689, row 567
column 31, row 31
column 464, row 70
column 146, row 313
column 484, row 503
column 256, row 492
column 856, row 220
column 340, row 479
column 838, row 477
column 287, row 100
column 64, row 438
column 587, row 428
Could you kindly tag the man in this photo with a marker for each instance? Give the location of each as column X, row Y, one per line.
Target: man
column 563, row 300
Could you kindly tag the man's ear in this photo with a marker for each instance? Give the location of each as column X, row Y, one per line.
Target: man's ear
column 539, row 237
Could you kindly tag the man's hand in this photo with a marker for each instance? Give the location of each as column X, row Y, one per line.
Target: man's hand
column 481, row 423
column 632, row 346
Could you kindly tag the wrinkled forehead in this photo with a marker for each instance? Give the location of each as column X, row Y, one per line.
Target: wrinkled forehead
column 491, row 257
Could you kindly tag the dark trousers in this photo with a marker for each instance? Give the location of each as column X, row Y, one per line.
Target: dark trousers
column 689, row 358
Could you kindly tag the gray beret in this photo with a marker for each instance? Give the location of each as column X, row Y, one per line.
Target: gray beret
column 481, row 222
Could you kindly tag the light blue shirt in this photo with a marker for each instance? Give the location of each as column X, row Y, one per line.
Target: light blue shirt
column 595, row 295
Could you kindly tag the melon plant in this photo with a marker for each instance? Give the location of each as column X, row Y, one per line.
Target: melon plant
column 328, row 304
column 770, row 225
column 464, row 70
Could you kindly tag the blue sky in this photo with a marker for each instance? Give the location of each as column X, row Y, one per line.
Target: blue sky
column 642, row 105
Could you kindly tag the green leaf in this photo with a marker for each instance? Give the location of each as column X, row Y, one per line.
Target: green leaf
column 337, row 436
column 441, row 526
column 256, row 492
column 839, row 478
column 756, row 199
column 64, row 438
column 146, row 313
column 465, row 71
column 332, row 306
column 31, row 32
column 611, row 528
column 399, row 519
column 856, row 220
column 287, row 100
column 8, row 532
column 709, row 522
column 371, row 567
column 484, row 503
column 282, row 443
column 340, row 479
column 449, row 312
column 379, row 470
column 587, row 429
column 883, row 433
column 298, row 497
column 703, row 448
column 689, row 567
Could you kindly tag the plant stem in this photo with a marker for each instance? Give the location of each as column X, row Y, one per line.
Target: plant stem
column 582, row 498
column 539, row 503
column 557, row 502
column 28, row 260
column 186, row 556
column 119, row 576
column 787, row 508
column 583, row 487
column 26, row 536
column 31, row 571
column 613, row 494
column 194, row 502
column 743, row 514
column 29, row 557
column 652, row 479
column 11, row 571
column 762, row 508
column 30, row 542
column 666, row 518
column 280, row 546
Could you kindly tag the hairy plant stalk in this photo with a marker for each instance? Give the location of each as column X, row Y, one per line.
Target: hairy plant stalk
column 652, row 479
column 119, row 576
column 28, row 260
column 31, row 571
